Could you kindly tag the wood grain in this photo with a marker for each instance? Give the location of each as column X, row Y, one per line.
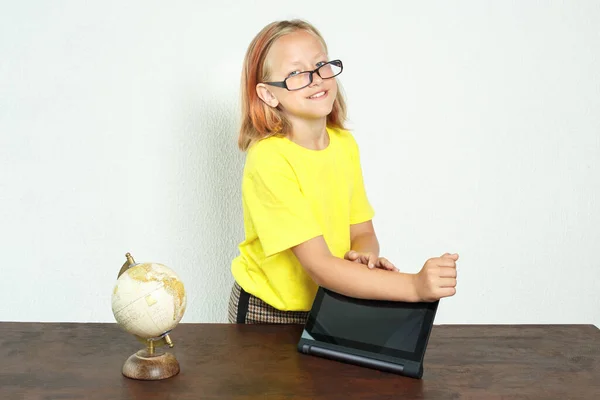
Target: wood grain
column 141, row 365
column 222, row 361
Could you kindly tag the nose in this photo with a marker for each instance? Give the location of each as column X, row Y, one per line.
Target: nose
column 316, row 79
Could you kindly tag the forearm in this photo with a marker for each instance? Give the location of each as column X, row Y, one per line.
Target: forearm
column 365, row 243
column 351, row 279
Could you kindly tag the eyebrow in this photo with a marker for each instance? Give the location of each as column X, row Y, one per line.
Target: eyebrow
column 320, row 55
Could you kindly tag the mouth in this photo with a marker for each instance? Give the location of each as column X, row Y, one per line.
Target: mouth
column 319, row 95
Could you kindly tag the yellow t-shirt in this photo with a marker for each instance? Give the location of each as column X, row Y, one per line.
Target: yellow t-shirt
column 292, row 194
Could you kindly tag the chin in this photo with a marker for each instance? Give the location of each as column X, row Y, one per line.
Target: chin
column 317, row 115
column 321, row 111
column 312, row 111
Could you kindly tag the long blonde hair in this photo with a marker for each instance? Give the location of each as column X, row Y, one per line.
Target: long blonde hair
column 258, row 119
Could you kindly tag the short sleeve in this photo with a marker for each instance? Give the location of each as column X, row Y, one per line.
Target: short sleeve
column 281, row 215
column 360, row 207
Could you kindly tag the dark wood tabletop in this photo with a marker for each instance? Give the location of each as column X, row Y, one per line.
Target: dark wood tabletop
column 224, row 361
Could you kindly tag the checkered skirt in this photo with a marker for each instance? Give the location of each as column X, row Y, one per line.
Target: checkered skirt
column 245, row 308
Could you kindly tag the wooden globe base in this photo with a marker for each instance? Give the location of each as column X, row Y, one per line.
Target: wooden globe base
column 144, row 366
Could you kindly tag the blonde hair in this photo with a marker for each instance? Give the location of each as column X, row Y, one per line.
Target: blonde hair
column 259, row 120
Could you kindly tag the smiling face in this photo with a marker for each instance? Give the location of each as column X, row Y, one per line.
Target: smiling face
column 291, row 54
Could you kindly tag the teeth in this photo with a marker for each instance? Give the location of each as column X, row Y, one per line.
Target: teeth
column 314, row 96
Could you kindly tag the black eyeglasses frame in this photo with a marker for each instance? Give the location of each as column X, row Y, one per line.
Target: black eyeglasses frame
column 283, row 84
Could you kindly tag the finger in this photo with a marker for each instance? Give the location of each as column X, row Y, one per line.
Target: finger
column 365, row 259
column 358, row 256
column 372, row 260
column 447, row 272
column 447, row 282
column 386, row 264
column 447, row 292
column 362, row 258
column 446, row 263
column 453, row 256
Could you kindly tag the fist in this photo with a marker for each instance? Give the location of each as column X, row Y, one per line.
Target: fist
column 437, row 278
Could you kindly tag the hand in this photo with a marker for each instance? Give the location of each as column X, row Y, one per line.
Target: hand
column 370, row 260
column 437, row 278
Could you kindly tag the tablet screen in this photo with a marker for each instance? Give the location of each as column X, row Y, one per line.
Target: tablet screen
column 393, row 328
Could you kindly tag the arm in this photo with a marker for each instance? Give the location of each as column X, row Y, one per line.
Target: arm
column 436, row 279
column 364, row 247
column 352, row 279
column 363, row 238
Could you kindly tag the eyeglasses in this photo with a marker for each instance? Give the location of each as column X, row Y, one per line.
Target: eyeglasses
column 303, row 79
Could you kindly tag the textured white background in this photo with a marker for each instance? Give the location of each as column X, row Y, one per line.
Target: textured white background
column 478, row 122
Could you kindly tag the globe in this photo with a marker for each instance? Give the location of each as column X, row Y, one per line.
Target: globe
column 148, row 300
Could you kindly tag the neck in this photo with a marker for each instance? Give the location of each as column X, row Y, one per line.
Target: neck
column 311, row 134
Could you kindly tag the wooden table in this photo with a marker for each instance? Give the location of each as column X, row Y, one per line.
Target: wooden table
column 222, row 361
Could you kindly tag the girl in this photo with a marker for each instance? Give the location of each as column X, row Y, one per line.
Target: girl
column 307, row 218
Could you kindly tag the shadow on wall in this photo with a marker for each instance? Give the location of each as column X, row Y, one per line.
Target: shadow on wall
column 209, row 222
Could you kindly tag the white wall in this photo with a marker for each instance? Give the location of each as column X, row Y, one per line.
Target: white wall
column 479, row 126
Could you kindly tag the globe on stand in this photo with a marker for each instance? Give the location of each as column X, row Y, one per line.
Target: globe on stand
column 148, row 301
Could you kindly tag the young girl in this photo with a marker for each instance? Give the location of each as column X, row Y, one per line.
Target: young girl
column 307, row 219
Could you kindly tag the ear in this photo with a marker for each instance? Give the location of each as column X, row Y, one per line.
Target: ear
column 266, row 95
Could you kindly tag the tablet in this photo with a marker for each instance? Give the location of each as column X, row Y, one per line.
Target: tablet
column 385, row 335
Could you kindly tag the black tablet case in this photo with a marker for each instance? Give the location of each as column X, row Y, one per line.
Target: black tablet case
column 367, row 352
